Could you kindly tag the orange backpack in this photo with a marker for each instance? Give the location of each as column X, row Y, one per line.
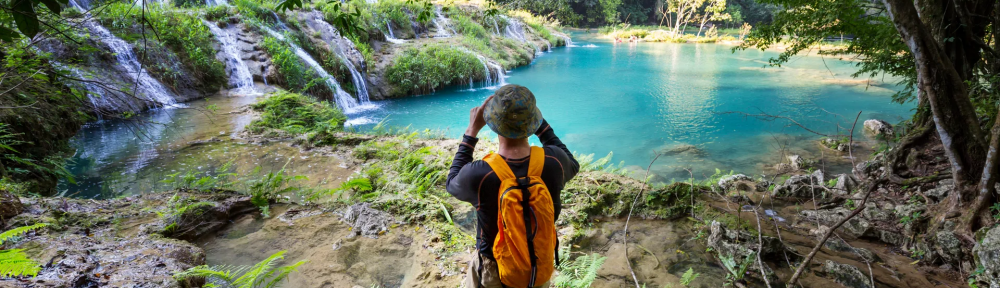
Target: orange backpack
column 524, row 253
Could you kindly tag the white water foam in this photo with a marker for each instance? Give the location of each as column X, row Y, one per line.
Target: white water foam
column 239, row 75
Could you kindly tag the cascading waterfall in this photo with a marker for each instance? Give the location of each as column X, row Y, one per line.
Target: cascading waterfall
column 357, row 77
column 496, row 76
column 391, row 37
column 346, row 102
column 211, row 3
column 146, row 85
column 569, row 41
column 515, row 30
column 442, row 24
column 239, row 75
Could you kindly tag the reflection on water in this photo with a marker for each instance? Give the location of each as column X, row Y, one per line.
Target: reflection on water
column 634, row 99
column 115, row 157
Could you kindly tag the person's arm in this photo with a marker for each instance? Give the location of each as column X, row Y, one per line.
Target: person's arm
column 548, row 138
column 460, row 183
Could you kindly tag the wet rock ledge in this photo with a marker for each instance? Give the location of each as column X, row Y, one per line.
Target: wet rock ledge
column 125, row 242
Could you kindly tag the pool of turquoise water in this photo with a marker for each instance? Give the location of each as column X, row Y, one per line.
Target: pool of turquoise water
column 635, row 99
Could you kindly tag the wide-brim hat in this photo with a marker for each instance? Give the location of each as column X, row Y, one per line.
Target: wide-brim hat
column 512, row 113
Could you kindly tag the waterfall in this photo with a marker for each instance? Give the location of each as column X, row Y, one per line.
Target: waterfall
column 347, row 103
column 515, row 30
column 496, row 26
column 95, row 93
column 496, row 76
column 239, row 75
column 211, row 3
column 129, row 63
column 442, row 24
column 357, row 77
column 569, row 41
column 391, row 37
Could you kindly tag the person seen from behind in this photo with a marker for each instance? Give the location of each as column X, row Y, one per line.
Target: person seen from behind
column 515, row 191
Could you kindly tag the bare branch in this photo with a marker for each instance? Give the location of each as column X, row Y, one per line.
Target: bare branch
column 625, row 237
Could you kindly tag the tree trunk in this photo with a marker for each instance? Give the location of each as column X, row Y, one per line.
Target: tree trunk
column 680, row 16
column 703, row 20
column 945, row 91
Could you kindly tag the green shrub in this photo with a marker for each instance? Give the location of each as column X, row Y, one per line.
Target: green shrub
column 424, row 69
column 296, row 114
column 294, row 74
column 465, row 25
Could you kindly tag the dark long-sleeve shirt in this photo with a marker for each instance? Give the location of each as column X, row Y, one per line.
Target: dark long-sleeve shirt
column 476, row 183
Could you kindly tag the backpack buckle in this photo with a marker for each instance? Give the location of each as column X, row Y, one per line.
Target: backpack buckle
column 523, row 182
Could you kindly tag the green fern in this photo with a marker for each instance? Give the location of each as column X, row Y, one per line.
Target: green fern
column 579, row 272
column 7, row 235
column 689, row 277
column 13, row 262
column 736, row 273
column 260, row 275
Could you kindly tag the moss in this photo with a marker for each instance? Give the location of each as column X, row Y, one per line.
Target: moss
column 295, row 114
column 610, row 195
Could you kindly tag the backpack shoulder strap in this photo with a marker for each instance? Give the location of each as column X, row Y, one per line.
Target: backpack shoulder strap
column 499, row 166
column 537, row 161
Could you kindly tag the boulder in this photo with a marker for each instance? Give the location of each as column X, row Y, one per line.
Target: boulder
column 878, row 127
column 847, row 275
column 802, row 186
column 797, row 162
column 856, row 227
column 941, row 191
column 366, row 221
column 738, row 182
column 200, row 220
column 10, row 205
column 988, row 256
column 949, row 247
column 845, row 184
column 838, row 145
column 739, row 244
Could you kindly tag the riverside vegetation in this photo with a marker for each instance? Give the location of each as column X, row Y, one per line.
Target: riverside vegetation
column 900, row 219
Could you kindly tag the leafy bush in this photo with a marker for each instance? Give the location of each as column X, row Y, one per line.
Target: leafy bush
column 295, row 74
column 424, row 69
column 465, row 25
column 296, row 114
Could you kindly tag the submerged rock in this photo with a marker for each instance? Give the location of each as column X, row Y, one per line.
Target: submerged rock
column 878, row 127
column 847, row 275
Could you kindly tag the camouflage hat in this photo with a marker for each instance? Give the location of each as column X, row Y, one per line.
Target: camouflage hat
column 512, row 112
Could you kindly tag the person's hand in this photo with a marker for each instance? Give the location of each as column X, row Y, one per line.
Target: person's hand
column 476, row 120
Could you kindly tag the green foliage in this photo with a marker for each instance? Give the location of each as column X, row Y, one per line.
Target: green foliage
column 13, row 262
column 587, row 163
column 296, row 114
column 465, row 25
column 346, row 23
column 260, row 275
column 736, row 273
column 578, row 273
column 25, row 15
column 996, row 211
column 295, row 74
column 221, row 179
column 178, row 207
column 270, row 187
column 424, row 69
column 688, row 277
column 910, row 218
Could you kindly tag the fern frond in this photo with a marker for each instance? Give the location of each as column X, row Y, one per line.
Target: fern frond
column 6, row 235
column 14, row 263
column 212, row 273
column 283, row 273
column 259, row 272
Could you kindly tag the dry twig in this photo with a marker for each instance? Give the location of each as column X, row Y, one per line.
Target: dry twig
column 645, row 179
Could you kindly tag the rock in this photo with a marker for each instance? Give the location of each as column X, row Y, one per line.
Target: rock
column 870, row 169
column 941, row 191
column 845, row 184
column 838, row 145
column 201, row 220
column 856, row 227
column 782, row 168
column 867, row 255
column 847, row 275
column 878, row 127
column 739, row 244
column 988, row 256
column 10, row 205
column 738, row 182
column 949, row 247
column 366, row 221
column 797, row 162
column 838, row 244
column 802, row 186
column 874, row 213
column 909, row 210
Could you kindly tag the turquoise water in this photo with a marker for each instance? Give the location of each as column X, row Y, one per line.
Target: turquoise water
column 634, row 99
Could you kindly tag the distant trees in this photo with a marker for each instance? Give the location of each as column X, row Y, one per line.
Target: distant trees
column 672, row 13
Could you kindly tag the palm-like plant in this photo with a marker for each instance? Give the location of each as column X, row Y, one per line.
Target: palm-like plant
column 260, row 275
column 13, row 262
